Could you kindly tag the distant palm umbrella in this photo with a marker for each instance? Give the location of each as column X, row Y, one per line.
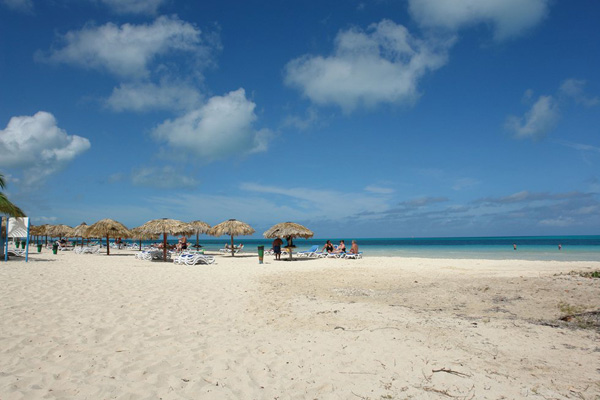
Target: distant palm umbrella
column 137, row 234
column 80, row 231
column 61, row 231
column 108, row 228
column 288, row 230
column 165, row 226
column 199, row 227
column 232, row 227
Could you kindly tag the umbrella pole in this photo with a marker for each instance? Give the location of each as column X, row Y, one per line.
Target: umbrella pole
column 107, row 246
column 140, row 244
column 232, row 251
column 165, row 246
column 197, row 241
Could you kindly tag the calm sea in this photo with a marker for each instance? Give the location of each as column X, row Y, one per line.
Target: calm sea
column 573, row 248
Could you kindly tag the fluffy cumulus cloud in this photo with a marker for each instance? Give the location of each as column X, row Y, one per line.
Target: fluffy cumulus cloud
column 147, row 96
column 19, row 5
column 166, row 177
column 221, row 127
column 380, row 65
column 508, row 17
column 134, row 6
column 536, row 122
column 128, row 50
column 38, row 146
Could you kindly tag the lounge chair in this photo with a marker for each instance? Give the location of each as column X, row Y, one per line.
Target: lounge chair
column 193, row 259
column 312, row 252
column 236, row 249
column 16, row 253
column 354, row 256
column 87, row 250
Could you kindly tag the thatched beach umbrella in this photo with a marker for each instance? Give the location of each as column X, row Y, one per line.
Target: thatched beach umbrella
column 61, row 231
column 108, row 228
column 232, row 227
column 136, row 233
column 288, row 230
column 165, row 226
column 198, row 228
column 80, row 231
column 43, row 230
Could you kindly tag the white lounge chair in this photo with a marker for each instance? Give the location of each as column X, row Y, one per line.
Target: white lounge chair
column 354, row 256
column 311, row 253
column 236, row 249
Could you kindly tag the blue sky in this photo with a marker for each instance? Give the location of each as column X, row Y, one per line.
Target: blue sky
column 385, row 118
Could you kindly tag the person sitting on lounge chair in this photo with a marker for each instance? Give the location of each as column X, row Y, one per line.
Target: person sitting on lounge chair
column 354, row 248
column 341, row 248
column 328, row 247
column 182, row 244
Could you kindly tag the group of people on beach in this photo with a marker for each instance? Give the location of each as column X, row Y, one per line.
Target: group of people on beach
column 327, row 248
column 341, row 248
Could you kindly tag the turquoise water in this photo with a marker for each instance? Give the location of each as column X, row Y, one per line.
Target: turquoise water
column 574, row 248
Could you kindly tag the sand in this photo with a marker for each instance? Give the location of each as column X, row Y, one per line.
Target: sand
column 113, row 327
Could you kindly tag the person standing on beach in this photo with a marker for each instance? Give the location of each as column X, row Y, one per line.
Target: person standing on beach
column 277, row 248
column 560, row 246
column 514, row 246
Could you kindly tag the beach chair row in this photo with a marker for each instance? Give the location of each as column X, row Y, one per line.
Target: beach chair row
column 314, row 252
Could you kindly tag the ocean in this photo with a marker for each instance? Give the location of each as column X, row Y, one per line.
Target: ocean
column 573, row 248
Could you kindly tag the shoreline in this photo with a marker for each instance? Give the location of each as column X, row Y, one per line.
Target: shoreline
column 97, row 326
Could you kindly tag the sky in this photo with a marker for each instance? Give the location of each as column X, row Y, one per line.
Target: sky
column 383, row 118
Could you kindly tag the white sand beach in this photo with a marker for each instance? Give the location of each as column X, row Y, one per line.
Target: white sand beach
column 113, row 327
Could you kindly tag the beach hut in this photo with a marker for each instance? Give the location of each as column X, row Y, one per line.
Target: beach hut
column 232, row 227
column 108, row 228
column 289, row 231
column 166, row 226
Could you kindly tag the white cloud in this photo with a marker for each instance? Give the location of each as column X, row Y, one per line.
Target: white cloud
column 536, row 122
column 134, row 6
column 166, row 177
column 508, row 17
column 379, row 189
column 382, row 65
column 149, row 96
column 312, row 203
column 221, row 127
column 19, row 5
column 574, row 88
column 127, row 50
column 38, row 146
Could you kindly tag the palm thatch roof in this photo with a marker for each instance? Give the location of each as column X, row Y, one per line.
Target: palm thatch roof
column 165, row 225
column 232, row 227
column 136, row 233
column 108, row 228
column 61, row 230
column 80, row 230
column 288, row 230
column 199, row 226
